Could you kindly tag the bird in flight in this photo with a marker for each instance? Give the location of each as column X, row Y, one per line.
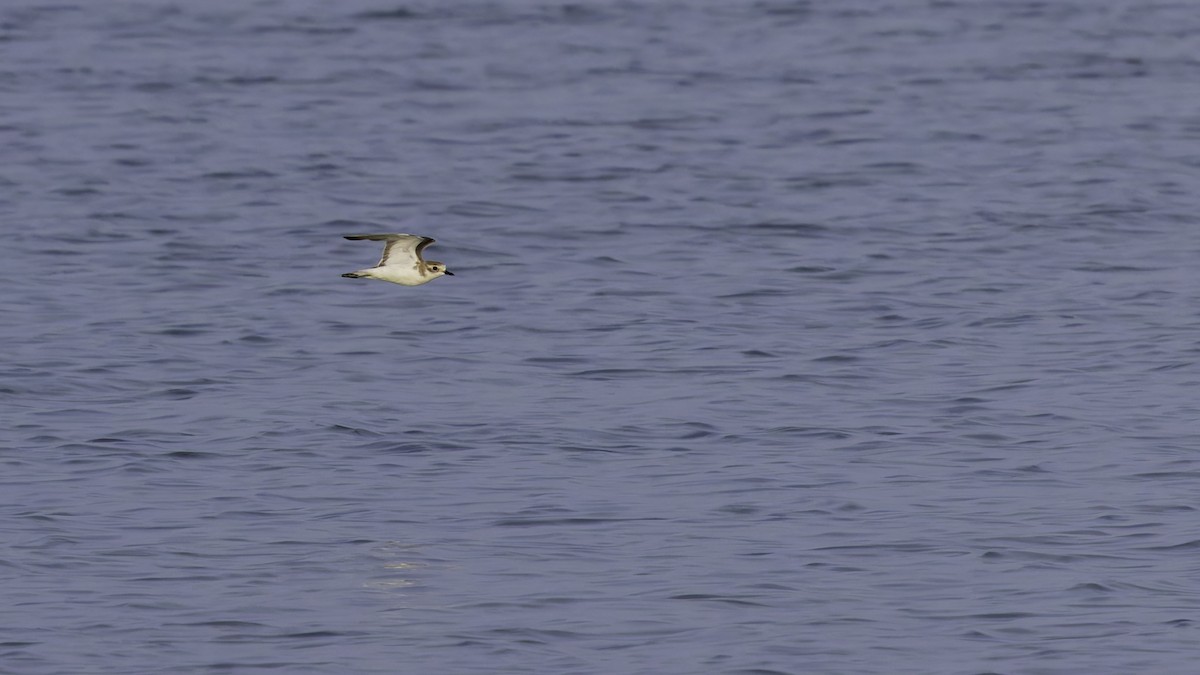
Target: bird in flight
column 401, row 262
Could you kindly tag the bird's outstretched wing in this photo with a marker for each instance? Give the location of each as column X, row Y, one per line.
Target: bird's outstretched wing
column 399, row 249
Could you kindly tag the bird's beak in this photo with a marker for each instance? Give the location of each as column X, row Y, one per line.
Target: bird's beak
column 448, row 273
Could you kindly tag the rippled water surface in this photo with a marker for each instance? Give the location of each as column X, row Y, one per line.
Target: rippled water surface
column 785, row 338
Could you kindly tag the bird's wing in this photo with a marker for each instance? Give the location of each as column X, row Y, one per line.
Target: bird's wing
column 400, row 249
column 425, row 241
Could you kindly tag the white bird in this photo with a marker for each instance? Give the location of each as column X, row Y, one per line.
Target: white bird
column 401, row 262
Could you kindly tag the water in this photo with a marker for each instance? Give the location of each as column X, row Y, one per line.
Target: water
column 785, row 337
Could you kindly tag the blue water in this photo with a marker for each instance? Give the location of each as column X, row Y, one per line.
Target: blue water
column 785, row 338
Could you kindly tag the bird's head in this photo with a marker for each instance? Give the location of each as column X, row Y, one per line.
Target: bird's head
column 437, row 269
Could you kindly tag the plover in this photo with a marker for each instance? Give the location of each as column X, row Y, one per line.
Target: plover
column 401, row 262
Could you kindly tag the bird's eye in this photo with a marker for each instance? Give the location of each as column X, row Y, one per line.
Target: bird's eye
column 434, row 268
